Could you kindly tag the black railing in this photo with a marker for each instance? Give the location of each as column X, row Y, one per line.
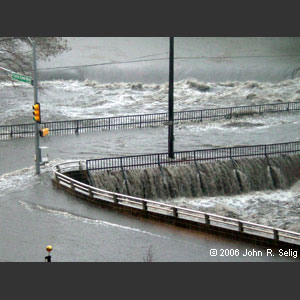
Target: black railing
column 145, row 120
column 184, row 157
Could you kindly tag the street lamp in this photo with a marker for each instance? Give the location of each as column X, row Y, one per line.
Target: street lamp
column 171, row 100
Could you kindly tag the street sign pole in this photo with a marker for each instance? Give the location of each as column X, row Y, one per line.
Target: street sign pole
column 37, row 141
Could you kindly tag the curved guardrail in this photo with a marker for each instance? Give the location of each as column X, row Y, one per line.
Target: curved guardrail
column 238, row 229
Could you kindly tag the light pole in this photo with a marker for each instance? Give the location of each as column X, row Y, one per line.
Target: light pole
column 171, row 100
column 37, row 140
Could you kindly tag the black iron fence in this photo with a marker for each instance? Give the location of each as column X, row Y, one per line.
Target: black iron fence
column 184, row 157
column 145, row 120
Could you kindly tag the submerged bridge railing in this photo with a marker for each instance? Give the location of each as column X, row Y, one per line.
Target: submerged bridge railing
column 184, row 157
column 234, row 228
column 144, row 120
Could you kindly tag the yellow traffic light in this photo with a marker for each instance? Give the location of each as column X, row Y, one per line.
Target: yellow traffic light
column 36, row 112
column 49, row 248
column 44, row 132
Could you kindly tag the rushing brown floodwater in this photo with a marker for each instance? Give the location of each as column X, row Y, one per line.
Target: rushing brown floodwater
column 34, row 214
column 203, row 179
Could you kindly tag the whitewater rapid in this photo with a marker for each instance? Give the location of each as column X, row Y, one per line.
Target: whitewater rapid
column 130, row 76
column 72, row 99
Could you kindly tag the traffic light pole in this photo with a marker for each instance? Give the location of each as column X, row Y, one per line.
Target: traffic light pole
column 37, row 141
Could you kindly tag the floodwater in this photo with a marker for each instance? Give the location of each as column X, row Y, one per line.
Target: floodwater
column 34, row 214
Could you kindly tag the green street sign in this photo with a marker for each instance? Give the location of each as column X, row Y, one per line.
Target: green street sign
column 19, row 77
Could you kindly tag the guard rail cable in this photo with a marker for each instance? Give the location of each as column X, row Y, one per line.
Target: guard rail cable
column 238, row 229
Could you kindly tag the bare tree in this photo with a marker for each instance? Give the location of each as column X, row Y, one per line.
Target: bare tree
column 16, row 52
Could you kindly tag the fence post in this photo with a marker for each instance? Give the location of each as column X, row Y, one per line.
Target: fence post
column 144, row 205
column 175, row 212
column 241, row 228
column 56, row 177
column 77, row 127
column 265, row 151
column 124, row 176
column 276, row 235
column 207, row 221
column 115, row 199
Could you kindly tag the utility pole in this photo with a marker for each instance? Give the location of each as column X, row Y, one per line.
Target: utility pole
column 37, row 141
column 171, row 100
column 27, row 79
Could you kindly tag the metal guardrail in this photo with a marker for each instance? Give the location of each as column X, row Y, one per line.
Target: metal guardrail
column 145, row 120
column 200, row 217
column 184, row 157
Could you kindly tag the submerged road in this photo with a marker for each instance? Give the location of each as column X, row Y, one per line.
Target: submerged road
column 34, row 214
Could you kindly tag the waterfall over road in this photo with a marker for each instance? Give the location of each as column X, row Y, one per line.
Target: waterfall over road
column 203, row 179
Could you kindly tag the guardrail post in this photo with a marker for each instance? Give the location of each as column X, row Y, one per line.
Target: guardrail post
column 144, row 205
column 241, row 228
column 115, row 199
column 90, row 192
column 175, row 212
column 56, row 178
column 276, row 235
column 72, row 185
column 207, row 220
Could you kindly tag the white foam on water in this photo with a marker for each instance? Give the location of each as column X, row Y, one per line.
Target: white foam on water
column 280, row 208
column 64, row 214
column 73, row 99
column 19, row 180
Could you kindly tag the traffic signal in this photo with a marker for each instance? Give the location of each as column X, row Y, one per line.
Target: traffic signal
column 44, row 132
column 36, row 112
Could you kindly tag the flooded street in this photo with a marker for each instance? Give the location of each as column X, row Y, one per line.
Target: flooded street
column 33, row 213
